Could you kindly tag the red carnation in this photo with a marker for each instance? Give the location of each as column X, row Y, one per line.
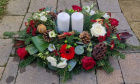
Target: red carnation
column 76, row 8
column 67, row 53
column 114, row 22
column 32, row 24
column 41, row 9
column 112, row 44
column 108, row 33
column 102, row 38
column 88, row 63
column 22, row 52
column 118, row 36
column 28, row 30
column 106, row 25
column 34, row 30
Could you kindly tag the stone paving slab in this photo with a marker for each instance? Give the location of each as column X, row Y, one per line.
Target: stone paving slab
column 82, row 78
column 131, row 68
column 67, row 4
column 6, row 47
column 136, row 28
column 130, row 9
column 17, row 7
column 112, row 78
column 1, row 71
column 10, row 23
column 37, row 4
column 28, row 15
column 123, row 25
column 33, row 74
column 10, row 72
column 109, row 5
column 89, row 2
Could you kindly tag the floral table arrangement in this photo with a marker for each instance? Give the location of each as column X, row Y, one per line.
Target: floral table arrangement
column 70, row 42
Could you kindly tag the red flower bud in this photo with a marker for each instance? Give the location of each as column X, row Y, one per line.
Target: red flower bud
column 108, row 33
column 28, row 30
column 34, row 31
column 112, row 44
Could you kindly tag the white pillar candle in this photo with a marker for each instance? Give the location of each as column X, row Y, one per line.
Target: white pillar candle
column 63, row 21
column 77, row 21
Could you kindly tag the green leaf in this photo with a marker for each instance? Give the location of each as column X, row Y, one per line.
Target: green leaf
column 96, row 16
column 79, row 50
column 31, row 49
column 39, row 42
column 52, row 67
column 71, row 64
column 27, row 41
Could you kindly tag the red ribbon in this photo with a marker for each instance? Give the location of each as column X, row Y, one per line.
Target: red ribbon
column 67, row 33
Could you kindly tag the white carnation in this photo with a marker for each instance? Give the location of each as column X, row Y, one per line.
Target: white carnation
column 63, row 59
column 51, row 47
column 52, row 60
column 106, row 16
column 43, row 18
column 35, row 16
column 62, row 64
column 97, row 29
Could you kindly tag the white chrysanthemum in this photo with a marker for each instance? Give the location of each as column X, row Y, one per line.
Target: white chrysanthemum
column 88, row 10
column 97, row 29
column 52, row 34
column 43, row 18
column 52, row 60
column 35, row 16
column 51, row 47
column 62, row 64
column 106, row 16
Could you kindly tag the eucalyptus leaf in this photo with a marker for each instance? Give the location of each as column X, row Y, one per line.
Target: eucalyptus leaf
column 79, row 50
column 72, row 64
column 81, row 43
column 31, row 49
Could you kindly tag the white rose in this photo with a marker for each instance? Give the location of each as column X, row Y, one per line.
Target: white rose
column 106, row 16
column 92, row 12
column 52, row 60
column 43, row 18
column 97, row 29
column 62, row 64
column 52, row 34
column 51, row 47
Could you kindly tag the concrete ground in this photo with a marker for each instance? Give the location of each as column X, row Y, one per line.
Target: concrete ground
column 131, row 10
column 18, row 11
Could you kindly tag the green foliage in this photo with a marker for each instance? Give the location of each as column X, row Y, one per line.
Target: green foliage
column 70, row 39
column 41, row 63
column 87, row 23
column 120, row 45
column 27, row 41
column 27, row 61
column 9, row 34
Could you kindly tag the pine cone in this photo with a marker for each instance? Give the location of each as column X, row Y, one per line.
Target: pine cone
column 46, row 36
column 112, row 29
column 99, row 51
column 85, row 37
column 53, row 15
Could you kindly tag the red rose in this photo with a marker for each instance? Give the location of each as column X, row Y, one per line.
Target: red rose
column 76, row 8
column 114, row 22
column 41, row 9
column 33, row 32
column 112, row 44
column 22, row 52
column 101, row 38
column 108, row 33
column 67, row 53
column 109, row 14
column 28, row 30
column 88, row 63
